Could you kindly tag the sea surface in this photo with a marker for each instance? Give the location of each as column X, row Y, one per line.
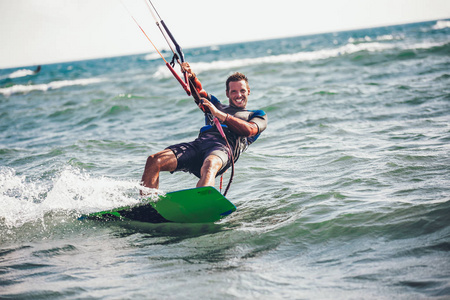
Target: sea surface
column 346, row 195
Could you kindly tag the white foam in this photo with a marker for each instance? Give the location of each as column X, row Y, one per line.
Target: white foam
column 360, row 40
column 381, row 38
column 424, row 45
column 15, row 89
column 350, row 48
column 21, row 73
column 152, row 56
column 441, row 25
column 347, row 49
column 387, row 37
column 73, row 191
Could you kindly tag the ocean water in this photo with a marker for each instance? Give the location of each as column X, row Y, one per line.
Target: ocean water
column 346, row 195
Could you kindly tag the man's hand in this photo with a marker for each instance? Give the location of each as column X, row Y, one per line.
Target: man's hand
column 205, row 103
column 185, row 67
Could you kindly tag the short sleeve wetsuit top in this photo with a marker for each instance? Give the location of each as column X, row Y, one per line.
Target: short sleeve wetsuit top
column 190, row 156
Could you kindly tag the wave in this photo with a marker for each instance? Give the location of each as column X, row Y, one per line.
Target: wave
column 71, row 191
column 382, row 38
column 348, row 49
column 152, row 56
column 442, row 24
column 21, row 73
column 282, row 58
column 16, row 89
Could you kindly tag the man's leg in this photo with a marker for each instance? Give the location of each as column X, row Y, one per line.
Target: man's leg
column 208, row 172
column 161, row 161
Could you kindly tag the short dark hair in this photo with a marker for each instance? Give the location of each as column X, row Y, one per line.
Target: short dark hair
column 236, row 77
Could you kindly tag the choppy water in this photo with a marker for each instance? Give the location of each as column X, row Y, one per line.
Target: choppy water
column 345, row 195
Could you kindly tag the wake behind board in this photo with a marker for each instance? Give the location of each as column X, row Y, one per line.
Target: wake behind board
column 197, row 205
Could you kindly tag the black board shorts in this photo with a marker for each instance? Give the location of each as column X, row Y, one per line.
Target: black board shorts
column 190, row 156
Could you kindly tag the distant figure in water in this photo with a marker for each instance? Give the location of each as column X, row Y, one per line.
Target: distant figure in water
column 24, row 72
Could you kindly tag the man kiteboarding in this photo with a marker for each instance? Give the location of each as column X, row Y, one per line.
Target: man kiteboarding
column 210, row 155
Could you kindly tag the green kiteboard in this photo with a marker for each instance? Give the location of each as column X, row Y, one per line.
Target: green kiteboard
column 197, row 205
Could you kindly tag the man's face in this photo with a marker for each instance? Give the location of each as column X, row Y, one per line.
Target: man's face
column 238, row 93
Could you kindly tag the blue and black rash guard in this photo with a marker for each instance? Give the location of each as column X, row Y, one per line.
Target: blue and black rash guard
column 238, row 143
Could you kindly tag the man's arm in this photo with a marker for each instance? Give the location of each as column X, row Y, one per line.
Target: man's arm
column 240, row 126
column 236, row 125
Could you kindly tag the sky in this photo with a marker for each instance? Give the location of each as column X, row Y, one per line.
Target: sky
column 38, row 32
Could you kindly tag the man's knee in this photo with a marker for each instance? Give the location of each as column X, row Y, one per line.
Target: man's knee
column 153, row 161
column 211, row 164
column 162, row 161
